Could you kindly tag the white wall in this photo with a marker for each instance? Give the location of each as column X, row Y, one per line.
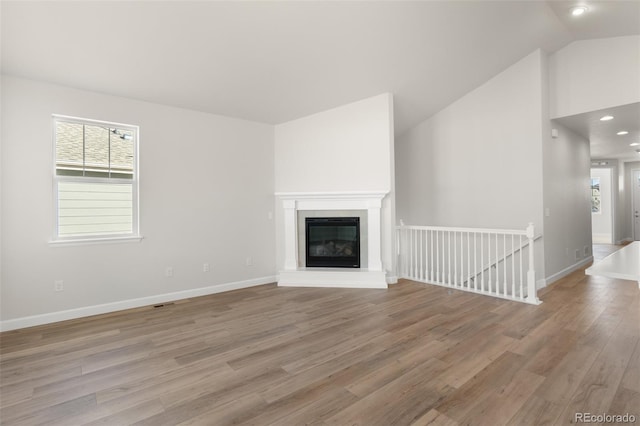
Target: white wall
column 206, row 189
column 602, row 221
column 590, row 75
column 342, row 149
column 478, row 162
column 567, row 202
column 349, row 148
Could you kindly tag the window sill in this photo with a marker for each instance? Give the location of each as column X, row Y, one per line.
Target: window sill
column 97, row 240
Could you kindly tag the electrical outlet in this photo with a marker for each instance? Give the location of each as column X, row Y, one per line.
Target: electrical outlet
column 58, row 285
column 577, row 254
column 168, row 272
column 249, row 261
column 206, row 267
column 586, row 251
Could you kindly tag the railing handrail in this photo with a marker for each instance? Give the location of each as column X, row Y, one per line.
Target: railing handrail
column 470, row 230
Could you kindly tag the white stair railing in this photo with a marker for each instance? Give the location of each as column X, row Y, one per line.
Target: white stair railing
column 494, row 262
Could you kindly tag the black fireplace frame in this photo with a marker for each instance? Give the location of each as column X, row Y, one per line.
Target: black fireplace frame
column 352, row 261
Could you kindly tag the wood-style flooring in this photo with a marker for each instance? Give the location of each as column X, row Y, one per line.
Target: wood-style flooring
column 414, row 354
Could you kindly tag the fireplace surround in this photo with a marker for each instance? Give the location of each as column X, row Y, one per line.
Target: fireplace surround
column 293, row 274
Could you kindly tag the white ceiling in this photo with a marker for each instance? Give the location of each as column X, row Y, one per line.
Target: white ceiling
column 273, row 61
column 605, row 142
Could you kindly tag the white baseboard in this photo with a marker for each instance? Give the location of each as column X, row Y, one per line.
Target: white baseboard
column 566, row 271
column 392, row 279
column 31, row 321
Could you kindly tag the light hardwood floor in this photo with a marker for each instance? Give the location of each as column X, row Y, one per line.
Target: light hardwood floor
column 413, row 354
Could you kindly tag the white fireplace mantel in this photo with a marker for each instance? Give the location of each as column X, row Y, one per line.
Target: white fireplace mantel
column 292, row 275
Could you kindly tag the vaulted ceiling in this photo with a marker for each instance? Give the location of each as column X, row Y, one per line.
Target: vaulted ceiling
column 277, row 61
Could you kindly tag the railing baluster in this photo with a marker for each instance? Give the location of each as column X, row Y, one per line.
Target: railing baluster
column 401, row 253
column 521, row 273
column 418, row 232
column 410, row 253
column 418, row 254
column 504, row 265
column 513, row 265
column 443, row 261
column 476, row 275
column 407, row 260
column 398, row 251
column 437, row 257
column 413, row 254
column 424, row 255
column 431, row 256
column 482, row 262
column 440, row 249
column 455, row 260
column 490, row 272
column 449, row 258
column 421, row 256
column 407, row 252
column 490, row 280
column 410, row 257
column 468, row 259
column 497, row 263
column 406, row 257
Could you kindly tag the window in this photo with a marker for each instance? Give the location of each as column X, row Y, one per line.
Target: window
column 96, row 182
column 595, row 195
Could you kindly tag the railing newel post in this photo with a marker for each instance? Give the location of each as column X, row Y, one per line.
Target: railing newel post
column 532, row 294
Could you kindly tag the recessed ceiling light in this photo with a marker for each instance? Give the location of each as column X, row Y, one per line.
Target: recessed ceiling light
column 622, row 132
column 579, row 10
column 634, row 144
column 607, row 118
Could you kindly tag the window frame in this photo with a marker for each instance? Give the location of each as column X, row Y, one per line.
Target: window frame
column 134, row 235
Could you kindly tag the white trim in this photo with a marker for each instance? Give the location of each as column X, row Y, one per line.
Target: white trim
column 566, row 271
column 332, row 277
column 81, row 120
column 349, row 195
column 392, row 279
column 34, row 320
column 97, row 240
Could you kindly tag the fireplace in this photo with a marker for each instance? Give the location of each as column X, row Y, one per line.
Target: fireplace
column 366, row 206
column 332, row 242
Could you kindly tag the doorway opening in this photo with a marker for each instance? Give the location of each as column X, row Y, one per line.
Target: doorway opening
column 602, row 206
column 635, row 188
